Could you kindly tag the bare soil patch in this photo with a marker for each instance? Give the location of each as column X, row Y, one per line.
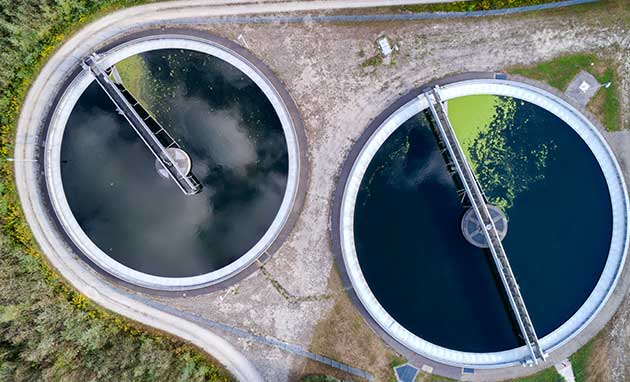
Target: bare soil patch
column 343, row 335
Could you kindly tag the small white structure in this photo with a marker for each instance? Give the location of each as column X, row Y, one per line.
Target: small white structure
column 384, row 46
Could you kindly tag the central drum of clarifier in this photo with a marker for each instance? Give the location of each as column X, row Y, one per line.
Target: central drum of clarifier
column 472, row 229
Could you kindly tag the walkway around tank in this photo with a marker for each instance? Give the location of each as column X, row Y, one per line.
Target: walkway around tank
column 478, row 202
column 154, row 137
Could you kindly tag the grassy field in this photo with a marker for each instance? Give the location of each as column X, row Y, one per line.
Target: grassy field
column 561, row 70
column 547, row 375
column 590, row 363
column 579, row 361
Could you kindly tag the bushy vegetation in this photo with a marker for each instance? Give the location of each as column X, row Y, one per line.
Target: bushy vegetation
column 49, row 332
column 472, row 5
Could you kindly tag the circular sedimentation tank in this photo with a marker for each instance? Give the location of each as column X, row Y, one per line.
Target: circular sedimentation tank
column 411, row 246
column 233, row 127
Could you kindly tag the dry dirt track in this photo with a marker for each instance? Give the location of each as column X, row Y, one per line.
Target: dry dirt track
column 320, row 64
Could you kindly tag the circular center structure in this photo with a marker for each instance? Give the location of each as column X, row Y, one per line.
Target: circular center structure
column 412, row 247
column 180, row 159
column 472, row 228
column 233, row 131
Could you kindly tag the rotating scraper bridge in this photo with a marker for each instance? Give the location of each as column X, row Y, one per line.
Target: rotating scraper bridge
column 155, row 137
column 447, row 137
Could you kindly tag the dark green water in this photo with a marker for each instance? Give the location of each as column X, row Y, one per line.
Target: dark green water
column 443, row 289
column 237, row 145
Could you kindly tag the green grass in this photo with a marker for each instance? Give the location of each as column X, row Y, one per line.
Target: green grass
column 394, row 361
column 561, row 70
column 432, row 378
column 607, row 100
column 547, row 375
column 372, row 61
column 579, row 361
column 397, row 361
column 48, row 331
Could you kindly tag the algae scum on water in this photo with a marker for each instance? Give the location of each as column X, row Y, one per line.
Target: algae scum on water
column 504, row 142
column 409, row 207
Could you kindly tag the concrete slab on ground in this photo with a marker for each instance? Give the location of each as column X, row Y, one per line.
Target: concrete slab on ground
column 582, row 88
column 565, row 369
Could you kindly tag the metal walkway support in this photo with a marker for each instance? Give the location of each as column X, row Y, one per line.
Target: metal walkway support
column 154, row 136
column 478, row 203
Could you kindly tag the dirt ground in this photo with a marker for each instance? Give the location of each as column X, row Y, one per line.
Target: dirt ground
column 614, row 349
column 341, row 334
column 296, row 299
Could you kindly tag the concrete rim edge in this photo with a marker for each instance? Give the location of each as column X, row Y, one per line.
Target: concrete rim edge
column 510, row 357
column 53, row 168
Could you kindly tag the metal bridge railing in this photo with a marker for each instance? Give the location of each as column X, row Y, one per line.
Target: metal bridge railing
column 156, row 138
column 478, row 202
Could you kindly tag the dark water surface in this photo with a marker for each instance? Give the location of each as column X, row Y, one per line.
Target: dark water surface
column 443, row 289
column 237, row 145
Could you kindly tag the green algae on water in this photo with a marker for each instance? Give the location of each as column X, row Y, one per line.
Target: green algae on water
column 500, row 138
